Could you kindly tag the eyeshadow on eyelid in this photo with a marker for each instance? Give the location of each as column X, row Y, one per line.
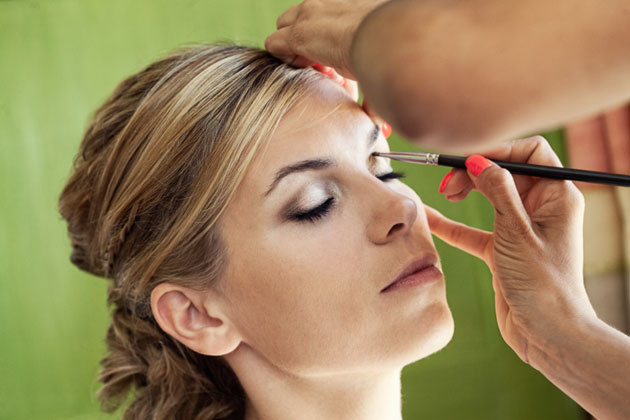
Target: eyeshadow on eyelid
column 373, row 163
column 377, row 165
column 306, row 198
column 310, row 199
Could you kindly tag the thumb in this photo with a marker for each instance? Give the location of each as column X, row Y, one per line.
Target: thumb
column 499, row 188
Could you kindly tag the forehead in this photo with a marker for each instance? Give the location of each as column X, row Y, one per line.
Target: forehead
column 325, row 122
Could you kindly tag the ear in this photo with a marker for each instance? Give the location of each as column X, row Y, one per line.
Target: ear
column 194, row 318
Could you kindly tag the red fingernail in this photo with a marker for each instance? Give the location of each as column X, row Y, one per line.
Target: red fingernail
column 387, row 130
column 328, row 71
column 477, row 163
column 444, row 182
column 337, row 77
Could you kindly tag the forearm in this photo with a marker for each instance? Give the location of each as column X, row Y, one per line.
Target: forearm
column 451, row 72
column 591, row 364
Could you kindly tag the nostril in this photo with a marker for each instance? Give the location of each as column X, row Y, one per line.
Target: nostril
column 395, row 228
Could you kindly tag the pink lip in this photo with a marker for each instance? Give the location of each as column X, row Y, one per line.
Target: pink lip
column 418, row 272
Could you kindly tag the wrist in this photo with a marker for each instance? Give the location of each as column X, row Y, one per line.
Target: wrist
column 553, row 341
column 589, row 361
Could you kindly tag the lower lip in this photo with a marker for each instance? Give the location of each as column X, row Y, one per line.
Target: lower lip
column 418, row 278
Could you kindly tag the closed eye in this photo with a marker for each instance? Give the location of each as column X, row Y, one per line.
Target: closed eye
column 323, row 209
column 315, row 213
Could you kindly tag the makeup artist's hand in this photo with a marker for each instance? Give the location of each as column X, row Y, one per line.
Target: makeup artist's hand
column 535, row 250
column 319, row 31
column 352, row 88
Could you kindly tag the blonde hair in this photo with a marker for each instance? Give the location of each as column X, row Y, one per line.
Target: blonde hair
column 157, row 166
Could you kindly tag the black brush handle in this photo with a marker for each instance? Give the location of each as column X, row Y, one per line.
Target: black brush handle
column 545, row 171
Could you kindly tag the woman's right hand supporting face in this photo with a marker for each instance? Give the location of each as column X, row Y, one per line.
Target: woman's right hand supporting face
column 535, row 256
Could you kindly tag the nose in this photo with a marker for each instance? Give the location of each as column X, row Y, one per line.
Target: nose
column 393, row 214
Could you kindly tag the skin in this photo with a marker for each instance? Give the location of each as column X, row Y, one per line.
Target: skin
column 299, row 311
column 447, row 92
column 535, row 256
column 513, row 73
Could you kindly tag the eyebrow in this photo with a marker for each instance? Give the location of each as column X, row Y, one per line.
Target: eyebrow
column 373, row 136
column 316, row 164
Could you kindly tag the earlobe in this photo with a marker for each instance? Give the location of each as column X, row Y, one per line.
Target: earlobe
column 194, row 318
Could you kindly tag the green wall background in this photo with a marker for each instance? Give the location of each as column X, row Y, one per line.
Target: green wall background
column 59, row 59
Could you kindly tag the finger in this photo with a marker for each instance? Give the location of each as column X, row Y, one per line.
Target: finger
column 471, row 240
column 352, row 87
column 349, row 85
column 289, row 16
column 535, row 150
column 617, row 124
column 460, row 195
column 279, row 46
column 325, row 70
column 498, row 186
column 456, row 183
column 301, row 61
column 338, row 78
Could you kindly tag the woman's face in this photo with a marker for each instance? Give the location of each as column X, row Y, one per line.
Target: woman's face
column 314, row 233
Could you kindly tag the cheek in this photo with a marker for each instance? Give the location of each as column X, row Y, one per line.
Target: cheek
column 295, row 304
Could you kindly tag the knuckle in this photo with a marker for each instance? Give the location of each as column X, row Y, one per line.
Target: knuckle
column 269, row 43
column 541, row 144
column 573, row 196
column 307, row 8
column 537, row 141
column 540, row 140
column 540, row 151
column 568, row 199
column 497, row 176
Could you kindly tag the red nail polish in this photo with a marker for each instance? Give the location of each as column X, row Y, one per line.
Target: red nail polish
column 444, row 182
column 328, row 71
column 477, row 163
column 387, row 130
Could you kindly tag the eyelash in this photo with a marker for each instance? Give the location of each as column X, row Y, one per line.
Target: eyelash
column 322, row 210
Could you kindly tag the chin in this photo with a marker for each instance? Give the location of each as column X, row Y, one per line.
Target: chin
column 443, row 333
column 438, row 332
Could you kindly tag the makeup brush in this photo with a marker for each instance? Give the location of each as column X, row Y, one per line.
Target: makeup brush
column 542, row 171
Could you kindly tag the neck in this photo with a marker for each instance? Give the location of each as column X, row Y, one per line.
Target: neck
column 274, row 394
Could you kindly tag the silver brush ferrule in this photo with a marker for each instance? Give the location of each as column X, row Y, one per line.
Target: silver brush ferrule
column 420, row 158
